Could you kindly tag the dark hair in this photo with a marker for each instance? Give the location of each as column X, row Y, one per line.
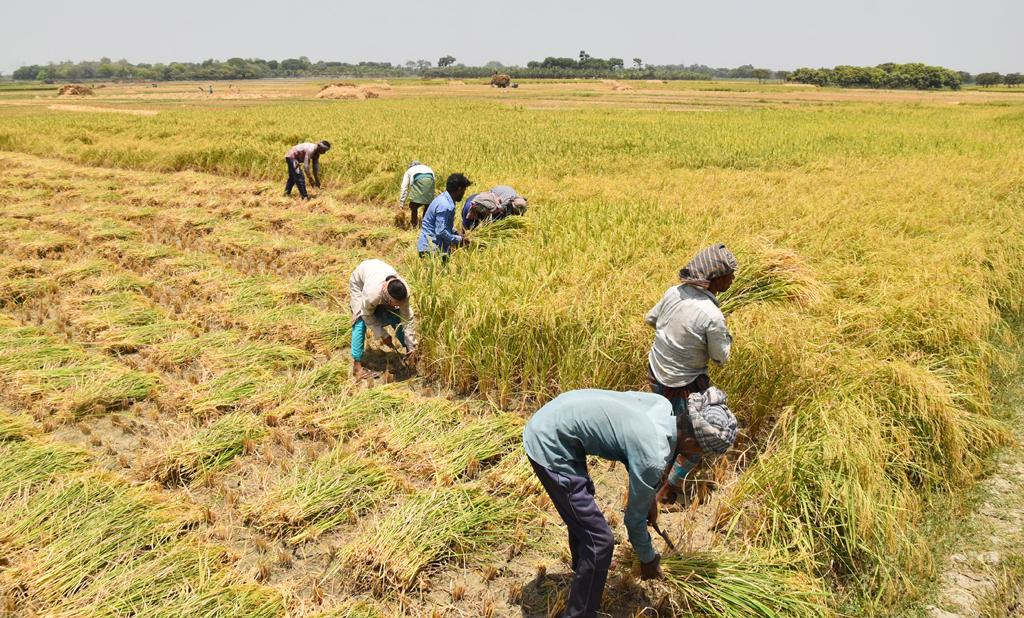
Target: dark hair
column 326, row 145
column 397, row 289
column 456, row 182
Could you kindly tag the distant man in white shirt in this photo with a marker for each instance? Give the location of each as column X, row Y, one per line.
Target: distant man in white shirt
column 418, row 188
column 689, row 327
column 378, row 298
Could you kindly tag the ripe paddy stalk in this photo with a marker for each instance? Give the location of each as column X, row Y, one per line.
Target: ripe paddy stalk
column 477, row 442
column 14, row 428
column 210, row 448
column 26, row 463
column 335, row 489
column 359, row 410
column 711, row 584
column 427, row 529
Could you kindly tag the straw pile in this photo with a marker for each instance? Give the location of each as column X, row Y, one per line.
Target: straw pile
column 347, row 90
column 74, row 90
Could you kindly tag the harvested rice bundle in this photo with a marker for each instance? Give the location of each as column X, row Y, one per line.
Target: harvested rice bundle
column 228, row 390
column 175, row 354
column 418, row 424
column 493, row 232
column 181, row 578
column 359, row 410
column 119, row 391
column 707, row 584
column 477, row 443
column 82, row 525
column 357, row 609
column 121, row 322
column 210, row 448
column 14, row 428
column 336, row 488
column 26, row 463
column 427, row 529
column 514, row 475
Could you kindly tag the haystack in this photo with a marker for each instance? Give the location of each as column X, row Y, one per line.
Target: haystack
column 337, row 91
column 500, row 80
column 338, row 85
column 74, row 90
column 617, row 86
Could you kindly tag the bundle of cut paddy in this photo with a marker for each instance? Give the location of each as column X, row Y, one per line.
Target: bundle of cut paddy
column 708, row 584
column 347, row 92
column 210, row 448
column 359, row 410
column 427, row 529
column 14, row 428
column 493, row 232
column 26, row 463
column 337, row 488
column 478, row 442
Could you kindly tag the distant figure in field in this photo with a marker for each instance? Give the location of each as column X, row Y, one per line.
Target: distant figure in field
column 636, row 429
column 437, row 232
column 689, row 328
column 418, row 187
column 378, row 298
column 500, row 202
column 298, row 159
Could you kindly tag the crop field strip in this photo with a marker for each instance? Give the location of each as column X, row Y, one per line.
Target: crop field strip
column 69, row 284
column 879, row 273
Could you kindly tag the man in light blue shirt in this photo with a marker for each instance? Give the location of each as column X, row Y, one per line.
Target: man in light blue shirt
column 637, row 429
column 437, row 233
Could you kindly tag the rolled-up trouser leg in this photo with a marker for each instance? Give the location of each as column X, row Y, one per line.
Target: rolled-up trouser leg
column 573, row 497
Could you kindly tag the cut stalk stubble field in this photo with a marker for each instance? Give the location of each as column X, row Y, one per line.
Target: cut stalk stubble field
column 880, row 263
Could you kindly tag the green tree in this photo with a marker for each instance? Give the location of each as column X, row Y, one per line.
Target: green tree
column 761, row 74
column 1013, row 79
column 988, row 79
column 782, row 75
column 446, row 61
column 638, row 63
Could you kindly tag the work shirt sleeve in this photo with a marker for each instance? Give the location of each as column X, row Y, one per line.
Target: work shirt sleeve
column 719, row 341
column 652, row 315
column 642, row 492
column 443, row 232
column 406, row 179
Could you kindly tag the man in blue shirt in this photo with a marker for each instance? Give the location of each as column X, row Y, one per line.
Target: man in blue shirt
column 437, row 233
column 637, row 429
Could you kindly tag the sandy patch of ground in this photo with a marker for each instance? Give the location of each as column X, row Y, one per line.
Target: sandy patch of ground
column 109, row 110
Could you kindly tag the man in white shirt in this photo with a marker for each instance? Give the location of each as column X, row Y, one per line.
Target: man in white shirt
column 378, row 298
column 418, row 187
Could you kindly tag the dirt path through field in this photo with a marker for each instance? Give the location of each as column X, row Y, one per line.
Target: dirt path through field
column 984, row 574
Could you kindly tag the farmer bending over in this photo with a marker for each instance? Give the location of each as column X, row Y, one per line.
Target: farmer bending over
column 378, row 297
column 689, row 328
column 636, row 429
column 418, row 186
column 437, row 233
column 500, row 202
column 298, row 158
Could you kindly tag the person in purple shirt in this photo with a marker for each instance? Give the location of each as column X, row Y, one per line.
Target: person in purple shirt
column 437, row 232
column 301, row 156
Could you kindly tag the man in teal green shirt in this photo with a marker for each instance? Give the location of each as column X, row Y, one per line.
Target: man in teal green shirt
column 634, row 428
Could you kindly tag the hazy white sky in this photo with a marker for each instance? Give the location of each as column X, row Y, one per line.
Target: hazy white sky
column 976, row 35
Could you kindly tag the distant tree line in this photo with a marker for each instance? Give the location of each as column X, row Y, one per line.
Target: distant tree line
column 890, row 75
column 915, row 76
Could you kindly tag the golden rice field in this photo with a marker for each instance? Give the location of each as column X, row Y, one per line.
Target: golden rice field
column 180, row 435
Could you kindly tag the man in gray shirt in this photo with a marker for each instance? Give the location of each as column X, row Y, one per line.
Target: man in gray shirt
column 689, row 328
column 634, row 428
